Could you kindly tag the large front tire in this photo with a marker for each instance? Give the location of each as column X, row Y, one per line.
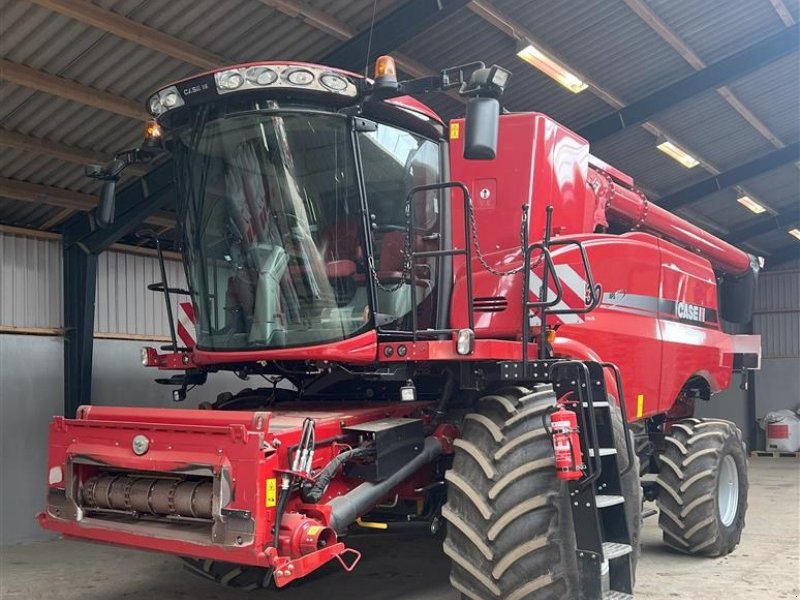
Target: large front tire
column 703, row 480
column 510, row 531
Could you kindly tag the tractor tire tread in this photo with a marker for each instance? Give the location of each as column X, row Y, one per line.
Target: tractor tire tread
column 690, row 517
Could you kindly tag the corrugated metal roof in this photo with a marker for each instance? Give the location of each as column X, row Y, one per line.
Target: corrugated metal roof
column 712, row 129
column 606, row 41
column 715, row 29
column 634, row 151
column 773, row 95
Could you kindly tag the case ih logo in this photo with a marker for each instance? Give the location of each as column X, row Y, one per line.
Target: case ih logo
column 690, row 312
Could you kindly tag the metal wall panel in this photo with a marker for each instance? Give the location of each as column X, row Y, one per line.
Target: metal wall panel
column 777, row 316
column 124, row 304
column 31, row 288
column 30, row 282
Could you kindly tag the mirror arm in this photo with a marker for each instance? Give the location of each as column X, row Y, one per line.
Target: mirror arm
column 110, row 174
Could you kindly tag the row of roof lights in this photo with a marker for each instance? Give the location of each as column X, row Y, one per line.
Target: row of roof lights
column 233, row 79
column 795, row 232
column 259, row 76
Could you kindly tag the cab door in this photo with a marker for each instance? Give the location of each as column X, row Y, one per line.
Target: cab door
column 395, row 161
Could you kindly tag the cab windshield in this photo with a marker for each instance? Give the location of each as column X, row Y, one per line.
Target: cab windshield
column 274, row 232
column 271, row 218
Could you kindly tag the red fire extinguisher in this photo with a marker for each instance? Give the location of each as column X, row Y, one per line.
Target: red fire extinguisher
column 566, row 442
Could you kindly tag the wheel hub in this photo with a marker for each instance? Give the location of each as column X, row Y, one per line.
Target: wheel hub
column 728, row 491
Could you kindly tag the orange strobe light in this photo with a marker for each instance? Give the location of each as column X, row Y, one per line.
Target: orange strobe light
column 153, row 131
column 385, row 70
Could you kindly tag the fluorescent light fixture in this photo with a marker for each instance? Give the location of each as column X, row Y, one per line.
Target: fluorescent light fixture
column 751, row 204
column 683, row 157
column 550, row 67
column 795, row 232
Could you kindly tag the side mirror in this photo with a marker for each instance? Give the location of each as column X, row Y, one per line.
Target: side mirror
column 108, row 203
column 481, row 124
column 108, row 174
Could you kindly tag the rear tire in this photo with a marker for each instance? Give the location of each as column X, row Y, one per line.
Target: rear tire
column 703, row 480
column 510, row 532
column 243, row 577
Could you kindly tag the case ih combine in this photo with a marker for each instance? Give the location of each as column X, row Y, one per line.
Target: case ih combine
column 445, row 317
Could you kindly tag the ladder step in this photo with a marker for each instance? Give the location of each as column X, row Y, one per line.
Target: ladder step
column 603, row 404
column 603, row 451
column 614, row 595
column 604, row 501
column 612, row 550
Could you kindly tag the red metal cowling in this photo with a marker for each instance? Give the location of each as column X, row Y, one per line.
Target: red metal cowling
column 566, row 444
column 630, row 208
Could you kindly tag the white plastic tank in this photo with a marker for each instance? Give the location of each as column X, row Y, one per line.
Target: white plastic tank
column 783, row 431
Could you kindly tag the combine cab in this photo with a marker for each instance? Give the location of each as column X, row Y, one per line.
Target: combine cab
column 477, row 323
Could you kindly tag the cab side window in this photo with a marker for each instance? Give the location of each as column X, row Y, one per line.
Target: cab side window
column 395, row 161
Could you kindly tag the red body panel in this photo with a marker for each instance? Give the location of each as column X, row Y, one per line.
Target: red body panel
column 645, row 281
column 243, row 449
column 361, row 349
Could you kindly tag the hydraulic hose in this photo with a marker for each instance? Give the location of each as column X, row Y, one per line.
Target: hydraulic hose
column 346, row 509
column 441, row 408
column 313, row 492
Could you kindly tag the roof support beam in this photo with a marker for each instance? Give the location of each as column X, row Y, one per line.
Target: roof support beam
column 766, row 225
column 67, row 199
column 402, row 24
column 783, row 255
column 72, row 154
column 681, row 47
column 318, row 19
column 70, row 90
column 42, row 194
column 712, row 77
column 79, row 156
column 731, row 177
column 492, row 15
column 138, row 202
column 342, row 31
column 783, row 12
column 131, row 30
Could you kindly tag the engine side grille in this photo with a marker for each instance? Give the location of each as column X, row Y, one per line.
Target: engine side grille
column 490, row 304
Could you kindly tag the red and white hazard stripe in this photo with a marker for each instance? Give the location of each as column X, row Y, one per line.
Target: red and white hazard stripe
column 185, row 329
column 573, row 286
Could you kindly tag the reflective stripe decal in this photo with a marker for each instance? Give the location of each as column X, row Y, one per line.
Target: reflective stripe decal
column 185, row 329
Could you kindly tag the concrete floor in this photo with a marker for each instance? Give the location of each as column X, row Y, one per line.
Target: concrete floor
column 766, row 566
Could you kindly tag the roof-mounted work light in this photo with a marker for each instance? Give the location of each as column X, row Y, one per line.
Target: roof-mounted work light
column 488, row 82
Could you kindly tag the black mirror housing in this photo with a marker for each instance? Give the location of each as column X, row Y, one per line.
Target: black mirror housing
column 107, row 209
column 481, row 125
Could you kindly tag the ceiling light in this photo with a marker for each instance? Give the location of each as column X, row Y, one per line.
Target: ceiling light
column 795, row 232
column 683, row 157
column 751, row 204
column 550, row 67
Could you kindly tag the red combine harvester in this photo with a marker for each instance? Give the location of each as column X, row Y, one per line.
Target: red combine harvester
column 445, row 316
